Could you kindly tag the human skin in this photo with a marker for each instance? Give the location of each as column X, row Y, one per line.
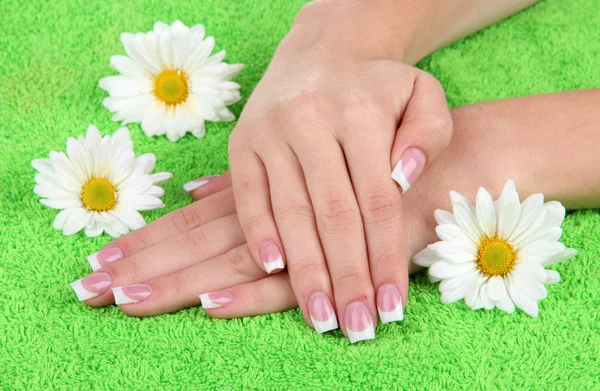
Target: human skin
column 201, row 249
column 311, row 155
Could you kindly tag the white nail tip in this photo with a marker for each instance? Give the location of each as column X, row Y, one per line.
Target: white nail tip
column 398, row 176
column 391, row 316
column 328, row 325
column 93, row 261
column 356, row 336
column 82, row 293
column 193, row 185
column 207, row 303
column 121, row 297
column 277, row 264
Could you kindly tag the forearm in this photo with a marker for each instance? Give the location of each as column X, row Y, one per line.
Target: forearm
column 403, row 30
column 548, row 144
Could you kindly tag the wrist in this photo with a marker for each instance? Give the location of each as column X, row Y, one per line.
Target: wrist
column 368, row 28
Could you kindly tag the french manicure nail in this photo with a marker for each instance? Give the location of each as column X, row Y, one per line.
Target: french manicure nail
column 389, row 303
column 271, row 257
column 196, row 183
column 131, row 294
column 104, row 257
column 215, row 299
column 92, row 286
column 409, row 168
column 359, row 322
column 321, row 313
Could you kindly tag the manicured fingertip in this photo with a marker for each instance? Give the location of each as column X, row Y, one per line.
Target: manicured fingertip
column 409, row 168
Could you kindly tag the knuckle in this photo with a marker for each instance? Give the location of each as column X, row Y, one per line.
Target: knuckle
column 185, row 218
column 128, row 272
column 310, row 107
column 381, row 206
column 194, row 241
column 241, row 262
column 307, row 269
column 297, row 211
column 349, row 276
column 339, row 214
column 255, row 225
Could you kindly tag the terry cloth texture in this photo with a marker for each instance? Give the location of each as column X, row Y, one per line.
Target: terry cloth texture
column 52, row 54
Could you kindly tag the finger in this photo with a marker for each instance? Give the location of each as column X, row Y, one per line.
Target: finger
column 296, row 223
column 341, row 232
column 253, row 203
column 267, row 296
column 208, row 185
column 211, row 208
column 381, row 209
column 183, row 289
column 174, row 254
column 425, row 130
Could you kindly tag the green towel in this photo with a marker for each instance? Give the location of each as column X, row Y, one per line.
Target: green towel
column 52, row 54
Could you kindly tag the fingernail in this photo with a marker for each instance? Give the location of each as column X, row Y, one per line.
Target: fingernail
column 131, row 294
column 389, row 303
column 409, row 168
column 92, row 286
column 104, row 257
column 359, row 322
column 271, row 257
column 215, row 299
column 321, row 313
column 196, row 183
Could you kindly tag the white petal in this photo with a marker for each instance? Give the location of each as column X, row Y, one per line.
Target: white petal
column 453, row 233
column 552, row 277
column 61, row 203
column 144, row 202
column 161, row 27
column 540, row 251
column 61, row 219
column 152, row 122
column 509, row 212
column 496, row 288
column 529, row 285
column 160, row 177
column 199, row 55
column 454, row 252
column 95, row 230
column 486, row 214
column 444, row 217
column 508, row 189
column 126, row 66
column 425, row 258
column 130, row 218
column 443, row 269
column 484, row 296
column 550, row 234
column 44, row 166
column 121, row 136
column 532, row 269
column 92, row 137
column 232, row 71
column 75, row 222
column 531, row 209
column 138, row 53
column 562, row 256
column 466, row 219
column 124, row 86
column 555, row 213
column 521, row 300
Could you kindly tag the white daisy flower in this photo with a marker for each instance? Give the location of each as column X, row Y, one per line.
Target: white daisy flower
column 170, row 82
column 493, row 254
column 100, row 185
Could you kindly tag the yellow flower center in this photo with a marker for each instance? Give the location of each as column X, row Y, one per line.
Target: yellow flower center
column 172, row 87
column 99, row 195
column 495, row 257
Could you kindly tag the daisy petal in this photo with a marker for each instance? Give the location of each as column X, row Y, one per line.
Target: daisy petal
column 452, row 232
column 521, row 300
column 509, row 212
column 531, row 209
column 552, row 277
column 562, row 256
column 555, row 213
column 454, row 252
column 425, row 258
column 443, row 269
column 75, row 222
column 466, row 219
column 486, row 214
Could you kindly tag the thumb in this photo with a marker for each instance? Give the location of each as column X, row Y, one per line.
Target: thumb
column 425, row 130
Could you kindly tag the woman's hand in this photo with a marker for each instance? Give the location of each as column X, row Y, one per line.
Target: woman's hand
column 311, row 158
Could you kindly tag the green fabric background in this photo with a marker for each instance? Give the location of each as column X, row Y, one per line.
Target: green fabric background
column 52, row 54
